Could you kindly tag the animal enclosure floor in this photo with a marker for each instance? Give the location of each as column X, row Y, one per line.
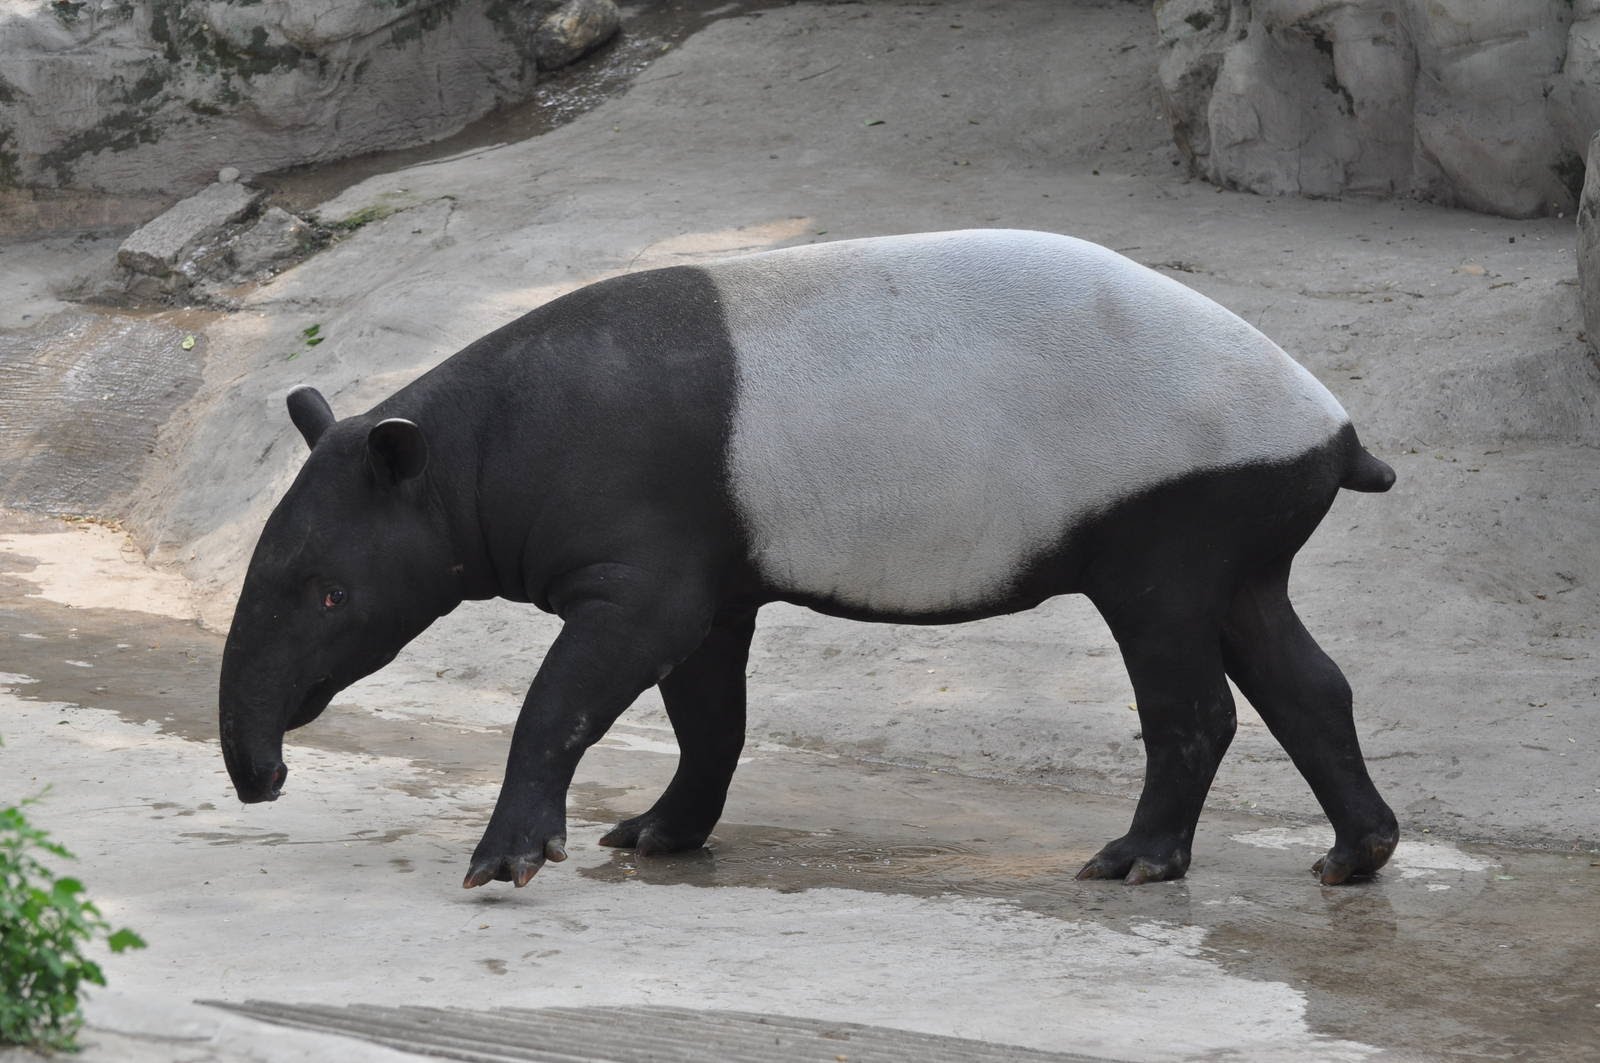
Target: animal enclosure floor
column 836, row 891
column 1462, row 605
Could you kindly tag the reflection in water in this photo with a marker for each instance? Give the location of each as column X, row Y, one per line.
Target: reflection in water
column 1487, row 953
column 792, row 860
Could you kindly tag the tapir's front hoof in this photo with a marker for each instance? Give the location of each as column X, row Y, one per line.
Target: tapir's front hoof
column 517, row 870
column 1355, row 863
column 1136, row 861
column 652, row 835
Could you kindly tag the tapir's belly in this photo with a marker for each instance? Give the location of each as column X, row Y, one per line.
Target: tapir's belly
column 919, row 419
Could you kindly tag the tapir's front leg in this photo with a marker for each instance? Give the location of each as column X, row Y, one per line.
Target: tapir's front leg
column 705, row 700
column 620, row 637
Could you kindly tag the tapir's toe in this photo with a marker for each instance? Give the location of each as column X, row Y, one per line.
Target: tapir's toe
column 652, row 835
column 1354, row 863
column 1137, row 862
column 517, row 870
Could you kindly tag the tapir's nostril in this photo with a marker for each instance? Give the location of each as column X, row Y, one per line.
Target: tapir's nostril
column 262, row 786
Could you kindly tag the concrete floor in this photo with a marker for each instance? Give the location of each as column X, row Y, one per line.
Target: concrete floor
column 836, row 890
column 898, row 851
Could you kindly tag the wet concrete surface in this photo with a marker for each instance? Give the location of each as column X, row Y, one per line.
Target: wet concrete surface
column 836, row 888
column 82, row 397
column 1455, row 951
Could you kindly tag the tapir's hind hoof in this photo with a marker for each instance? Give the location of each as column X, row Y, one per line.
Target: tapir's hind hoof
column 649, row 835
column 1137, row 862
column 1358, row 862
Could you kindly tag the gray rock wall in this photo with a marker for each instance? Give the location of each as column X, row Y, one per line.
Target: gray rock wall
column 152, row 97
column 1484, row 104
column 1589, row 246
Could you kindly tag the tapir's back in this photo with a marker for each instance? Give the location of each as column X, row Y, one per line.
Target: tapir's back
column 917, row 418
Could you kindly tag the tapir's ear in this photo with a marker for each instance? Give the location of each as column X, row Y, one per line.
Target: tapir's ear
column 310, row 412
column 396, row 450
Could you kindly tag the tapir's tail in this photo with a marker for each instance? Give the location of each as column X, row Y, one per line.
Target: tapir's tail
column 1363, row 472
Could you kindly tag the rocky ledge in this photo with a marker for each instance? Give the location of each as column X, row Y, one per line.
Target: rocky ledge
column 150, row 98
column 1484, row 104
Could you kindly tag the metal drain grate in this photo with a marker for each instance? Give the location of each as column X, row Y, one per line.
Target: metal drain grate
column 633, row 1035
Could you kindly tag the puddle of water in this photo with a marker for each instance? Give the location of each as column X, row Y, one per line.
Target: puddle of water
column 791, row 861
column 150, row 670
column 1501, row 963
column 163, row 672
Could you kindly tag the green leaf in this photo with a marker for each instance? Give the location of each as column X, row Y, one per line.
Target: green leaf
column 315, row 340
column 125, row 939
column 188, row 343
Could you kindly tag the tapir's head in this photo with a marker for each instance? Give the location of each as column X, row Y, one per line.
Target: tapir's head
column 353, row 563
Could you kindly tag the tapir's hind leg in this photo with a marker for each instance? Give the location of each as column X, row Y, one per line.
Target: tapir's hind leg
column 1186, row 715
column 1304, row 699
column 705, row 700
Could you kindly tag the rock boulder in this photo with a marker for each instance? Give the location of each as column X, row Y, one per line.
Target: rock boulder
column 159, row 247
column 1481, row 104
column 1589, row 246
column 150, row 97
column 572, row 29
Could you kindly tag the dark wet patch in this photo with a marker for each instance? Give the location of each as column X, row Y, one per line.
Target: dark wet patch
column 393, row 834
column 1496, row 967
column 148, row 669
column 1496, row 960
column 219, row 837
column 791, row 861
column 157, row 670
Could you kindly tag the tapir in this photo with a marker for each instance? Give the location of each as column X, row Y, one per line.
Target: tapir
column 922, row 429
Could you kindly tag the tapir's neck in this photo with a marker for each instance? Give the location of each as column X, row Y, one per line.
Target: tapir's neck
column 471, row 561
column 563, row 433
column 452, row 481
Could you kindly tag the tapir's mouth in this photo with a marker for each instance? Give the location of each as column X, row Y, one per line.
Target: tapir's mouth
column 311, row 706
column 271, row 790
column 275, row 787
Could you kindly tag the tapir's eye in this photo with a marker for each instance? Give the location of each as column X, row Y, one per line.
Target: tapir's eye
column 332, row 597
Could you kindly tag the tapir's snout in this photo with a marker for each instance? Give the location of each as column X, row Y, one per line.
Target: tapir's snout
column 261, row 782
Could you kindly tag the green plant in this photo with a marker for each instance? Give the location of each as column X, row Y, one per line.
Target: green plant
column 364, row 216
column 45, row 922
column 312, row 336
